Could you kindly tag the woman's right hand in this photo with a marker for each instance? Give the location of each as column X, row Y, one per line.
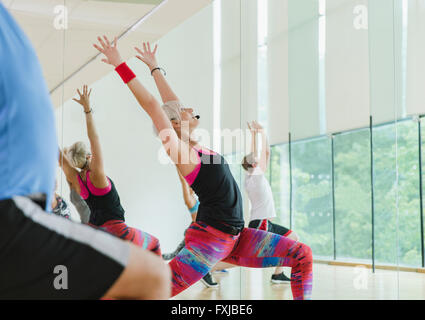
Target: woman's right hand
column 84, row 98
column 110, row 50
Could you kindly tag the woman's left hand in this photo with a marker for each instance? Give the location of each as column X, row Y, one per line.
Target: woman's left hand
column 147, row 55
column 255, row 126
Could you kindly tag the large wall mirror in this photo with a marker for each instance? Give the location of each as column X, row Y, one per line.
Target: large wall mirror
column 337, row 87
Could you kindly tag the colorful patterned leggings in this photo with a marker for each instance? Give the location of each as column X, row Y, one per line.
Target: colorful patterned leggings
column 206, row 246
column 142, row 239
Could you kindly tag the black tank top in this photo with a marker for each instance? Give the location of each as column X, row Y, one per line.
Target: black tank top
column 104, row 208
column 219, row 195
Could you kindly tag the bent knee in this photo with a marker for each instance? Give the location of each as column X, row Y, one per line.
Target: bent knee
column 306, row 252
column 148, row 264
column 154, row 278
column 146, row 276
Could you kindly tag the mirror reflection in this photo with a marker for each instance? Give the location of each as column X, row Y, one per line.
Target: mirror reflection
column 253, row 149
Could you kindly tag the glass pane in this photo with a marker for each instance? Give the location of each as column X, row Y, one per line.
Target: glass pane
column 385, row 66
column 410, row 211
column 422, row 178
column 304, row 70
column 264, row 98
column 384, row 147
column 408, row 195
column 312, row 70
column 312, row 194
column 278, row 176
column 353, row 197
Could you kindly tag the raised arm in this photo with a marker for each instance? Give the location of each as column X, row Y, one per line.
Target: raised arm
column 70, row 172
column 97, row 176
column 172, row 144
column 264, row 157
column 253, row 140
column 149, row 58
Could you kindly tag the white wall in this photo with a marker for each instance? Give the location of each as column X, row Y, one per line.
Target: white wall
column 415, row 56
column 347, row 68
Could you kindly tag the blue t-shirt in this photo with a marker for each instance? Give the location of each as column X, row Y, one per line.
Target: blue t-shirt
column 28, row 143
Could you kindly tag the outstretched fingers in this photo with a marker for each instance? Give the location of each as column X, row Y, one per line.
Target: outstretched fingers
column 139, row 51
column 98, row 48
column 102, row 43
column 150, row 50
column 141, row 55
column 105, row 44
column 108, row 48
column 107, row 41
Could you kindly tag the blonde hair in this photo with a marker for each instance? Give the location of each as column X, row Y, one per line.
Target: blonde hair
column 77, row 154
column 172, row 110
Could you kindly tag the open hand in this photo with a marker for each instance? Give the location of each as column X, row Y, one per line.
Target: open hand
column 254, row 126
column 84, row 98
column 147, row 55
column 110, row 50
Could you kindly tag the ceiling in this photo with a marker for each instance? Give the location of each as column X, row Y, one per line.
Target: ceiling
column 68, row 54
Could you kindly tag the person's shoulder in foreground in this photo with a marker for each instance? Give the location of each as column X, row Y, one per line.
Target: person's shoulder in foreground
column 28, row 144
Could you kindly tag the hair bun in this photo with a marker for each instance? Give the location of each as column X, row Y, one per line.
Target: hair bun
column 77, row 154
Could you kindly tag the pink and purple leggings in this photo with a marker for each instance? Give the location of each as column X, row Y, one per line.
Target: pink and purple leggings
column 206, row 246
column 140, row 238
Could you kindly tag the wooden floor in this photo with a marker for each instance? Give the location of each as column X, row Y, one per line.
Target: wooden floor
column 330, row 283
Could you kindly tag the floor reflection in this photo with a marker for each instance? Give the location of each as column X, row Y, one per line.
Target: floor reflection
column 330, row 283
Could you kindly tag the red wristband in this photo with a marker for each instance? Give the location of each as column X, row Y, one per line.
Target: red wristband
column 125, row 72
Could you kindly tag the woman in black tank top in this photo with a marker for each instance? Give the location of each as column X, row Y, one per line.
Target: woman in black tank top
column 218, row 234
column 105, row 207
column 219, row 195
column 85, row 174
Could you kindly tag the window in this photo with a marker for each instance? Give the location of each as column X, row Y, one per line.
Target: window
column 312, row 194
column 408, row 193
column 385, row 191
column 278, row 176
column 353, row 196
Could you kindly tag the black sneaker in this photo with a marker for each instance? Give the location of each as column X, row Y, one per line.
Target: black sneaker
column 208, row 281
column 280, row 278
